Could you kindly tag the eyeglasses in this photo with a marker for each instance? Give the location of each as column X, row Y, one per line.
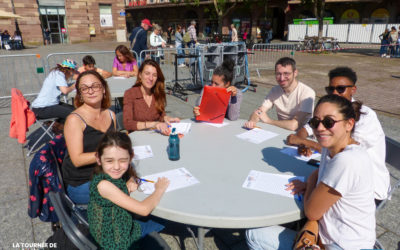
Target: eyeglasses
column 327, row 122
column 94, row 88
column 285, row 74
column 340, row 89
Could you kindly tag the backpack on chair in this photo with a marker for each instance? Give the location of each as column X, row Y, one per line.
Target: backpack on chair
column 186, row 37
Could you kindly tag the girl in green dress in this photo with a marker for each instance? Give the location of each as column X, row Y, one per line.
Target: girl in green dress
column 111, row 210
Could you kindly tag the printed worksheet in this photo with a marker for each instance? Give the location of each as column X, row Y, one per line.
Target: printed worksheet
column 142, row 152
column 181, row 127
column 118, row 77
column 217, row 125
column 270, row 183
column 179, row 178
column 256, row 135
column 292, row 151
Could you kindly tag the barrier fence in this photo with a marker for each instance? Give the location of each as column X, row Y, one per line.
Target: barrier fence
column 25, row 72
column 344, row 33
column 264, row 56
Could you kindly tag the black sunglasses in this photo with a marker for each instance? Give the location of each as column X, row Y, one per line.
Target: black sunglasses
column 340, row 89
column 327, row 122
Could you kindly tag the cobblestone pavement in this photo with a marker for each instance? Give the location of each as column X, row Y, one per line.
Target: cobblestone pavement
column 378, row 87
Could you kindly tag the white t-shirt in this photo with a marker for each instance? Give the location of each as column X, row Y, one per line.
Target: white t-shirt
column 369, row 133
column 50, row 92
column 350, row 222
column 301, row 99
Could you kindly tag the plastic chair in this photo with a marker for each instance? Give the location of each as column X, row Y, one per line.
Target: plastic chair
column 47, row 130
column 65, row 213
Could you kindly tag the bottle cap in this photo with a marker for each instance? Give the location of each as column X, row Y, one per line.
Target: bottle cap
column 173, row 131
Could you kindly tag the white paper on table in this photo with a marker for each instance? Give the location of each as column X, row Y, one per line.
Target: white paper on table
column 181, row 127
column 217, row 125
column 292, row 151
column 256, row 135
column 142, row 152
column 118, row 77
column 178, row 178
column 270, row 183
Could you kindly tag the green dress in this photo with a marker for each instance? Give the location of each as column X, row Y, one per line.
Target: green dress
column 111, row 226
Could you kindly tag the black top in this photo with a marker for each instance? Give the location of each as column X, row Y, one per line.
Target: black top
column 76, row 176
column 141, row 40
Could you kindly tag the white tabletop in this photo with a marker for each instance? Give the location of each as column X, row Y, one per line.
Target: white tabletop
column 117, row 86
column 221, row 162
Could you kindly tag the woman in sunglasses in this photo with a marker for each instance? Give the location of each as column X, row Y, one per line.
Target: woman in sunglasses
column 339, row 195
column 83, row 130
column 368, row 131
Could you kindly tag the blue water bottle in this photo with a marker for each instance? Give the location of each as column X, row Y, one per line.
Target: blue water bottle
column 173, row 151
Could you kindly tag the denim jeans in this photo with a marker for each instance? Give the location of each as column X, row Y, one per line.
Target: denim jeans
column 149, row 226
column 275, row 237
column 180, row 51
column 384, row 47
column 79, row 194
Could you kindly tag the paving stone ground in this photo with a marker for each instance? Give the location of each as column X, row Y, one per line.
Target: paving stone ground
column 378, row 87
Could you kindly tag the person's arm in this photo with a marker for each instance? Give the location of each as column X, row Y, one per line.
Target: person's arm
column 135, row 70
column 112, row 193
column 255, row 116
column 61, row 83
column 233, row 112
column 66, row 90
column 73, row 132
column 305, row 145
column 292, row 124
column 117, row 72
column 319, row 200
column 104, row 73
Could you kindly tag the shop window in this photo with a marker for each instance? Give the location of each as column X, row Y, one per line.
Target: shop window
column 105, row 15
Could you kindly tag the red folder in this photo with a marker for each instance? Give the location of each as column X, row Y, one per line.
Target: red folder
column 214, row 104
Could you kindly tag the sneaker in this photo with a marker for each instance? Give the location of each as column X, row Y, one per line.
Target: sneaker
column 181, row 65
column 388, row 56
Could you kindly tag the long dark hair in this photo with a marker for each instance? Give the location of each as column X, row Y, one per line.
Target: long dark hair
column 125, row 52
column 347, row 108
column 68, row 72
column 158, row 90
column 121, row 140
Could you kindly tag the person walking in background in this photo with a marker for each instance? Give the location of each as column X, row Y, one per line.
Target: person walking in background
column 157, row 42
column 398, row 43
column 269, row 34
column 179, row 46
column 384, row 42
column 138, row 39
column 169, row 35
column 192, row 32
column 234, row 33
column 393, row 36
column 47, row 35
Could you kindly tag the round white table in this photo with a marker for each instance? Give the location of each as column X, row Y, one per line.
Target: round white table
column 221, row 162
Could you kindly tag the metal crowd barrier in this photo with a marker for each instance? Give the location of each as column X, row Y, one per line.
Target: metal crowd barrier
column 166, row 59
column 264, row 56
column 104, row 59
column 24, row 72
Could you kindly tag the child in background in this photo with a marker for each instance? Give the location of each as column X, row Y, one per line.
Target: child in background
column 124, row 64
column 222, row 78
column 111, row 210
column 88, row 64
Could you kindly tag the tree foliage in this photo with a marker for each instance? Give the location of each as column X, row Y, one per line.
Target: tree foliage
column 318, row 8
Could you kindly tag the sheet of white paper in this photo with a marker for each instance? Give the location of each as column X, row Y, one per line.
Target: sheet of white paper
column 119, row 77
column 256, row 135
column 178, row 178
column 292, row 151
column 181, row 127
column 270, row 183
column 217, row 125
column 142, row 152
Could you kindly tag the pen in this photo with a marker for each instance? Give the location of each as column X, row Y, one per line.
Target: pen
column 298, row 197
column 252, row 128
column 147, row 180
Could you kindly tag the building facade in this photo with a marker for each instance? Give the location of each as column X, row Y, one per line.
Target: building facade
column 255, row 16
column 69, row 21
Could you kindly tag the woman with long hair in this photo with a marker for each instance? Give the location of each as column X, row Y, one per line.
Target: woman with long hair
column 47, row 104
column 338, row 195
column 83, row 130
column 145, row 102
column 124, row 64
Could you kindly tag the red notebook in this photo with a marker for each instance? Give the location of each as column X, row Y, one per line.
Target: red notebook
column 214, row 104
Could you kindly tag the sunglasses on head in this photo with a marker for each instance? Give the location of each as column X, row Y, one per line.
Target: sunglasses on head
column 327, row 122
column 340, row 89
